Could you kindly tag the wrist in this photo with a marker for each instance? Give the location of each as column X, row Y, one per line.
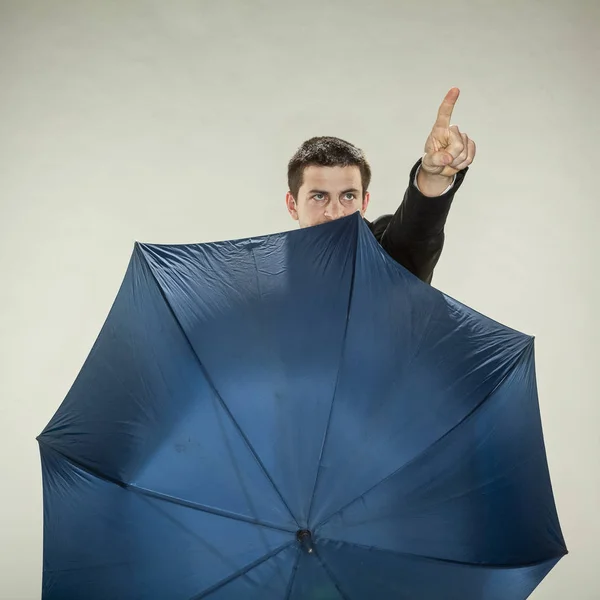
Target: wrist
column 433, row 184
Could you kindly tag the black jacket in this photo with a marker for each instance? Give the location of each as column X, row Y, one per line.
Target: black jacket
column 414, row 235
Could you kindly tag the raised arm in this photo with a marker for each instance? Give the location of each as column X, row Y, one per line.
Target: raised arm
column 414, row 235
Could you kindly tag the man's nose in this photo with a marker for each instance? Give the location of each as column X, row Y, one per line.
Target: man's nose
column 334, row 210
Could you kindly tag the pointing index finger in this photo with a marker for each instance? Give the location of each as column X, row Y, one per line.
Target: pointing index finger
column 446, row 107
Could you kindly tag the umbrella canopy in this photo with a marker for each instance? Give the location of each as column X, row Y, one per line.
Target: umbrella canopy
column 296, row 416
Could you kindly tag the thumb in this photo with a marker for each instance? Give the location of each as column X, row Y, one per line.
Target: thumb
column 439, row 159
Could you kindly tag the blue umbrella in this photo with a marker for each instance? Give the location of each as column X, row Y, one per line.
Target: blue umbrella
column 296, row 416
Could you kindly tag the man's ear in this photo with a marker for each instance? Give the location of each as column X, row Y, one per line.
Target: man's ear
column 291, row 205
column 365, row 203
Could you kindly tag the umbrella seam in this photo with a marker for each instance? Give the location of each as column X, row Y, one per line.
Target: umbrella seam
column 164, row 497
column 331, row 576
column 217, row 394
column 241, row 572
column 428, row 448
column 204, row 508
column 342, row 353
column 288, row 593
column 447, row 560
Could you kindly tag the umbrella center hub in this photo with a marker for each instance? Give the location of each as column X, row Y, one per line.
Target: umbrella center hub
column 304, row 537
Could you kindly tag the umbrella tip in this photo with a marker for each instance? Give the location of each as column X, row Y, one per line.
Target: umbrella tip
column 304, row 537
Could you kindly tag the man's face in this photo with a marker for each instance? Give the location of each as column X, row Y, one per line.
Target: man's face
column 327, row 193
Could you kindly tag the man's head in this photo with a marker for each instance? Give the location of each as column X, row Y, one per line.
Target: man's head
column 328, row 178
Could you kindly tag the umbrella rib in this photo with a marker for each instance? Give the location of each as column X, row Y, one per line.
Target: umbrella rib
column 445, row 560
column 288, row 593
column 203, row 508
column 166, row 497
column 241, row 572
column 337, row 380
column 219, row 397
column 428, row 448
column 333, row 578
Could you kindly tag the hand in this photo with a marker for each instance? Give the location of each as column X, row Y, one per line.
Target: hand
column 447, row 149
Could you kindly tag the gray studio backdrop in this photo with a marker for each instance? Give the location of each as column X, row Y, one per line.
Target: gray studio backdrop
column 126, row 120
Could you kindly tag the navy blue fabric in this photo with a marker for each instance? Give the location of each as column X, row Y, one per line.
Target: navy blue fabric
column 241, row 391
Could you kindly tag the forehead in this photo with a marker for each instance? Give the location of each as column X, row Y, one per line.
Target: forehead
column 325, row 178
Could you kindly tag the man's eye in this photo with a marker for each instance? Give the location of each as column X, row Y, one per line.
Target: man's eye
column 349, row 196
column 319, row 197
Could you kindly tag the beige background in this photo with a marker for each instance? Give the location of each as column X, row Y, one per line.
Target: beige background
column 158, row 121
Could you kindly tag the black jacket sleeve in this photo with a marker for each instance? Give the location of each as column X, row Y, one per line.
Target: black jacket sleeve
column 414, row 235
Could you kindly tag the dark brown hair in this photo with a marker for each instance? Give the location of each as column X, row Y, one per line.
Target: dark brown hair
column 326, row 151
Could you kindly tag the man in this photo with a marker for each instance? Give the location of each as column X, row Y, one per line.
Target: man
column 328, row 178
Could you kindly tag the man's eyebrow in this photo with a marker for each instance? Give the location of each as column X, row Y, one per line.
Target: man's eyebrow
column 324, row 192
